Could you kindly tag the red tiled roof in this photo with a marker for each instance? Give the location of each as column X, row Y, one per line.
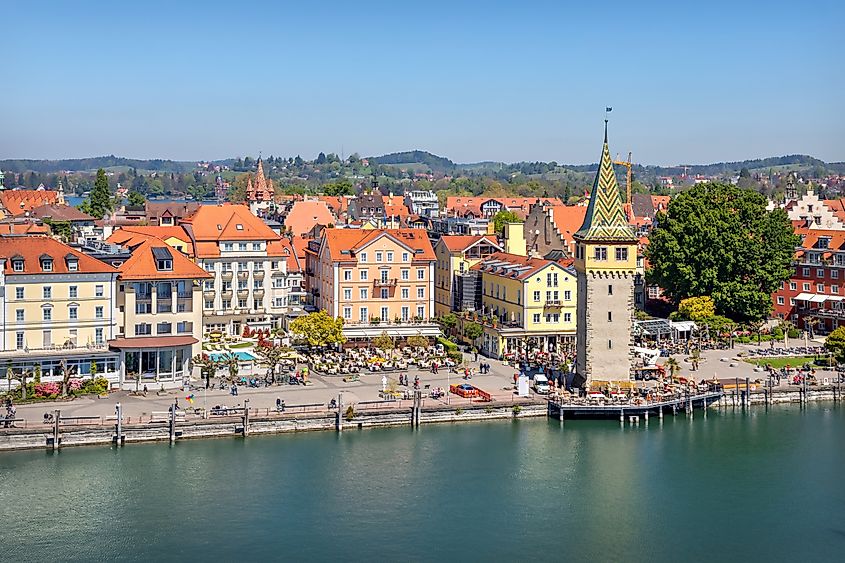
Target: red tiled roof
column 459, row 243
column 17, row 202
column 134, row 234
column 28, row 228
column 59, row 213
column 141, row 265
column 837, row 206
column 304, row 215
column 357, row 239
column 512, row 265
column 228, row 222
column 33, row 248
column 568, row 219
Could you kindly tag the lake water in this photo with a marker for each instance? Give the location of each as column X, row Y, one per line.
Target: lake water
column 732, row 487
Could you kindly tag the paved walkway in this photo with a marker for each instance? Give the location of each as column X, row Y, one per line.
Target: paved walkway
column 321, row 389
column 499, row 383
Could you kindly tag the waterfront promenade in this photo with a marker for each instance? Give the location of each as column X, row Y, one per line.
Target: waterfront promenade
column 366, row 392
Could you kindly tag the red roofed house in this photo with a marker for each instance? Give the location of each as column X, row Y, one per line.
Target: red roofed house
column 304, row 215
column 58, row 305
column 159, row 300
column 251, row 284
column 814, row 296
column 550, row 226
column 18, row 202
column 375, row 280
column 487, row 207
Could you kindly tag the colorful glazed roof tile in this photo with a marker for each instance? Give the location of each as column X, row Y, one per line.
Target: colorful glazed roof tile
column 605, row 219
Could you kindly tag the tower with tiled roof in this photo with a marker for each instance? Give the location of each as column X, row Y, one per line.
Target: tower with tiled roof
column 605, row 261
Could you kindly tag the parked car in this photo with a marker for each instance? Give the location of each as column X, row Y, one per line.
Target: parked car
column 541, row 384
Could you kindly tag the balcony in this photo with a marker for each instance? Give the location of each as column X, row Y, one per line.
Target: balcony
column 243, row 275
column 208, row 293
column 553, row 303
column 227, row 294
column 258, row 293
column 227, row 275
column 243, row 293
column 385, row 282
column 258, row 274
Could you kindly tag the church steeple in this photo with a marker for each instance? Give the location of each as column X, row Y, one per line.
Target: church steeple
column 605, row 219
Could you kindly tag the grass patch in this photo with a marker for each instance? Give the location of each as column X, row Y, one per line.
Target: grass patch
column 241, row 345
column 792, row 361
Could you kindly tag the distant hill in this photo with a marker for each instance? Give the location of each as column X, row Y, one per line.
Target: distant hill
column 436, row 163
column 87, row 164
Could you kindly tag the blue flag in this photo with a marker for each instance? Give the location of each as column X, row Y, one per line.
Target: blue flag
column 608, row 109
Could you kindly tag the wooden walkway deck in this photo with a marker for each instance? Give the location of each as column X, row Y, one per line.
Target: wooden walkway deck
column 683, row 403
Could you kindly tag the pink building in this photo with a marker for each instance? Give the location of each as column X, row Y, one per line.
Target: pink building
column 375, row 280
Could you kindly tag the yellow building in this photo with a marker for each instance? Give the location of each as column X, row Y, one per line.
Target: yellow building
column 528, row 305
column 456, row 254
column 57, row 304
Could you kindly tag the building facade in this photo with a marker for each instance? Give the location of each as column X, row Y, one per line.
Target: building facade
column 159, row 302
column 250, row 285
column 375, row 280
column 456, row 255
column 606, row 263
column 57, row 304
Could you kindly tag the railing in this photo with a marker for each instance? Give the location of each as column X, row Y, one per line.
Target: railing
column 553, row 303
column 385, row 283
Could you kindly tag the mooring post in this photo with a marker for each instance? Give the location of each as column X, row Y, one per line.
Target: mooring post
column 645, row 415
column 622, row 416
column 57, row 416
column 736, row 390
column 660, row 412
column 246, row 418
column 747, row 393
column 173, row 423
column 338, row 423
column 118, row 411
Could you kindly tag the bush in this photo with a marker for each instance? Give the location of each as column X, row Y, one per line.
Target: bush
column 455, row 355
column 350, row 413
column 517, row 409
column 459, row 410
column 447, row 344
column 95, row 386
column 46, row 390
column 793, row 333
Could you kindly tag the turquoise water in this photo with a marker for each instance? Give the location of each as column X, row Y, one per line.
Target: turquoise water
column 735, row 486
column 242, row 356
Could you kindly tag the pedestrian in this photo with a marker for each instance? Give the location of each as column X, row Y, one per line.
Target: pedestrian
column 384, row 383
column 417, row 382
column 515, row 378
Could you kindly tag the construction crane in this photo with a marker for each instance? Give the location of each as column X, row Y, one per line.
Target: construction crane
column 627, row 165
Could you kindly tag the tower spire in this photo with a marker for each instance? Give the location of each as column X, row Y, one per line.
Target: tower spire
column 605, row 219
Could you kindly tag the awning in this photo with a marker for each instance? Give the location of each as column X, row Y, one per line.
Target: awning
column 683, row 326
column 804, row 296
column 818, row 298
column 152, row 342
column 394, row 331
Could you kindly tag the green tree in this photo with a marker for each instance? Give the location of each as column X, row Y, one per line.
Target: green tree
column 448, row 321
column 502, row 217
column 319, row 329
column 417, row 340
column 99, row 202
column 696, row 308
column 342, row 187
column 207, row 367
column 673, row 366
column 136, row 199
column 383, row 342
column 719, row 240
column 835, row 342
column 271, row 355
column 472, row 331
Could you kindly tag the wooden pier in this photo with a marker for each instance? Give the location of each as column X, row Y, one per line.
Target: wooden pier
column 632, row 411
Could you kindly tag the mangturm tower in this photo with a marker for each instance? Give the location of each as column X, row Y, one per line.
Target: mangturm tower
column 605, row 261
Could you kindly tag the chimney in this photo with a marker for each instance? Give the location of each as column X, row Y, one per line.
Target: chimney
column 514, row 236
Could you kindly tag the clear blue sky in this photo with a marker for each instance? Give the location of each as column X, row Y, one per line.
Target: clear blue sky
column 689, row 82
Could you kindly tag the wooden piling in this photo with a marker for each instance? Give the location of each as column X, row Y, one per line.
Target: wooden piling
column 338, row 423
column 57, row 416
column 246, row 418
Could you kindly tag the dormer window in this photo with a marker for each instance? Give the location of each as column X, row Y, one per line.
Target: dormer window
column 46, row 263
column 164, row 260
column 72, row 263
column 17, row 263
column 239, row 227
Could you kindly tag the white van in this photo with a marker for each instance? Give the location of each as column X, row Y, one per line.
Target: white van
column 541, row 384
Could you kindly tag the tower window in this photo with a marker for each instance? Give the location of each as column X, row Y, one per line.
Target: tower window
column 610, row 344
column 610, row 289
column 610, row 316
column 600, row 253
column 621, row 254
